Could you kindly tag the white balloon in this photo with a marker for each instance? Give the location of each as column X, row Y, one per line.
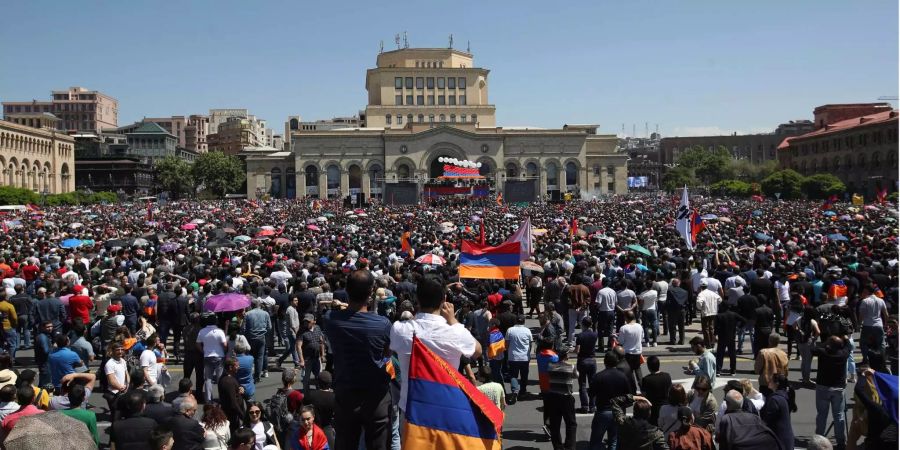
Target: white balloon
column 478, row 165
column 441, row 159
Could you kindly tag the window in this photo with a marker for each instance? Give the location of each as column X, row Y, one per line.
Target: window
column 451, row 99
column 442, row 100
column 420, row 83
column 430, row 100
column 398, row 82
column 387, row 119
column 409, row 118
column 398, row 99
column 417, row 64
column 461, row 83
column 409, row 82
column 452, row 118
column 430, row 82
column 421, row 118
column 431, row 118
column 451, row 83
column 462, row 118
column 399, row 119
column 462, row 99
column 420, row 100
column 442, row 118
column 409, row 100
column 474, row 118
column 440, row 82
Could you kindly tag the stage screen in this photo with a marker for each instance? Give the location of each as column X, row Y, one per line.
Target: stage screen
column 400, row 194
column 637, row 182
column 515, row 191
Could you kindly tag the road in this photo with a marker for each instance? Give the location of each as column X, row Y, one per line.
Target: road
column 522, row 425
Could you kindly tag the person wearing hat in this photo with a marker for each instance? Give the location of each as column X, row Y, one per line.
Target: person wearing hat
column 311, row 349
column 689, row 436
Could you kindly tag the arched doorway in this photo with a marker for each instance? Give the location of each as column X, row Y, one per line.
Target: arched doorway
column 333, row 180
column 403, row 172
column 552, row 176
column 312, row 180
column 571, row 176
column 436, row 169
column 376, row 173
column 512, row 171
column 275, row 185
column 355, row 179
column 290, row 182
column 531, row 170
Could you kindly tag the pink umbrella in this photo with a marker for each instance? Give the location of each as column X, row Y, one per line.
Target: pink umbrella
column 265, row 233
column 282, row 241
column 312, row 227
column 431, row 258
column 227, row 302
column 189, row 226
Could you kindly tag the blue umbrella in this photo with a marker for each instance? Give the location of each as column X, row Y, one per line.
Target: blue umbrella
column 709, row 217
column 762, row 236
column 829, row 213
column 71, row 243
column 837, row 237
column 757, row 213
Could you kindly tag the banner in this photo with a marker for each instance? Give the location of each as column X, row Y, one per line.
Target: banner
column 683, row 220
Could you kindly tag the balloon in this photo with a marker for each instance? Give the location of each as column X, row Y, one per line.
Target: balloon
column 478, row 165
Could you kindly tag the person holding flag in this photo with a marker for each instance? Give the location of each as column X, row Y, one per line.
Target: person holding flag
column 495, row 351
column 683, row 220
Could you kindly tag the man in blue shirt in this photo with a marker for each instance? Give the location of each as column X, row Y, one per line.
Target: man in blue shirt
column 130, row 309
column 361, row 343
column 257, row 324
column 518, row 340
column 42, row 348
column 63, row 361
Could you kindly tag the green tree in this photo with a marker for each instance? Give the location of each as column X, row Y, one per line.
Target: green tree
column 220, row 173
column 744, row 170
column 787, row 182
column 175, row 175
column 17, row 196
column 822, row 185
column 731, row 188
column 678, row 177
column 709, row 166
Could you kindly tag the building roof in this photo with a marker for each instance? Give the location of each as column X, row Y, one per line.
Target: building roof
column 843, row 125
column 150, row 128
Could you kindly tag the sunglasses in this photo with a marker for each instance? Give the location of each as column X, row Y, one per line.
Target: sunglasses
column 255, row 411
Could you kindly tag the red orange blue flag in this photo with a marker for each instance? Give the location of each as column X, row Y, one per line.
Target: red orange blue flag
column 497, row 344
column 492, row 263
column 444, row 410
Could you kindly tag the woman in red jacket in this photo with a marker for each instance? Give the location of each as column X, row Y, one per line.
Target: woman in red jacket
column 310, row 437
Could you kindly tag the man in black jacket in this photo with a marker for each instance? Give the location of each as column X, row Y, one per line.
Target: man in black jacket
column 155, row 408
column 188, row 433
column 746, row 307
column 727, row 321
column 231, row 395
column 606, row 385
column 762, row 327
column 677, row 298
column 637, row 432
column 131, row 431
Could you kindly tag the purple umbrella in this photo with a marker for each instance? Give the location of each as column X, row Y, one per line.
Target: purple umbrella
column 169, row 247
column 227, row 302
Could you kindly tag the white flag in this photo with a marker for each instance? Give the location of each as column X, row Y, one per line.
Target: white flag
column 683, row 219
column 524, row 238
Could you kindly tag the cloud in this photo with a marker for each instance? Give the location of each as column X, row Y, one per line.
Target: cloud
column 716, row 131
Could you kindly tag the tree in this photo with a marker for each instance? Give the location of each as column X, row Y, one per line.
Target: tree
column 174, row 175
column 220, row 173
column 709, row 166
column 752, row 172
column 731, row 188
column 17, row 196
column 787, row 182
column 678, row 177
column 822, row 185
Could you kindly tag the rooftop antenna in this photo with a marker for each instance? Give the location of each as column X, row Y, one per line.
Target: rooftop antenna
column 381, row 47
column 451, row 41
column 633, row 130
column 405, row 41
column 646, row 130
column 468, row 47
column 397, row 40
column 657, row 128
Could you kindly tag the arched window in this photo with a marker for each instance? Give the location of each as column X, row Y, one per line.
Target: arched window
column 409, row 118
column 355, row 177
column 431, row 118
column 571, row 174
column 290, row 182
column 387, row 119
column 552, row 176
column 485, row 170
column 275, row 187
column 403, row 171
column 836, row 163
column 848, row 162
column 511, row 170
column 452, row 118
column 333, row 177
column 474, row 118
column 421, row 118
column 861, row 161
column 312, row 176
column 876, row 159
column 531, row 170
column 442, row 118
column 462, row 118
column 376, row 173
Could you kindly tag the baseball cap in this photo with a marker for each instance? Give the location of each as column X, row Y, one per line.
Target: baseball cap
column 309, row 318
column 295, row 400
column 113, row 308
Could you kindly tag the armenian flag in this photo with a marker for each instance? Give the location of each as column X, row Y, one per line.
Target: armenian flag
column 882, row 195
column 829, row 202
column 444, row 410
column 497, row 344
column 838, row 289
column 404, row 243
column 491, row 263
column 697, row 225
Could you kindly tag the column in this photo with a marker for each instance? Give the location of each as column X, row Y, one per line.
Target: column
column 323, row 185
column 345, row 183
column 367, row 192
column 561, row 179
column 283, row 182
column 543, row 184
column 602, row 179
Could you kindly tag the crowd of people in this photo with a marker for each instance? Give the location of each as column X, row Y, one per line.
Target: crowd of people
column 109, row 297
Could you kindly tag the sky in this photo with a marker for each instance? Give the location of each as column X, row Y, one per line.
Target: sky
column 690, row 67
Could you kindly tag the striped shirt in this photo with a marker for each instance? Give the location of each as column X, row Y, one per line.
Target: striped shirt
column 562, row 378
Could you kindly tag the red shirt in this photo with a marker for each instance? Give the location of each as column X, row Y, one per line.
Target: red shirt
column 494, row 300
column 30, row 272
column 81, row 306
column 11, row 419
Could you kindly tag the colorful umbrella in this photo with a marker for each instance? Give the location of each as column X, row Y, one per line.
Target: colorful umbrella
column 837, row 237
column 71, row 243
column 267, row 227
column 169, row 247
column 313, row 227
column 51, row 430
column 264, row 233
column 227, row 302
column 829, row 213
column 532, row 266
column 242, row 238
column 431, row 258
column 189, row 226
column 640, row 249
column 282, row 241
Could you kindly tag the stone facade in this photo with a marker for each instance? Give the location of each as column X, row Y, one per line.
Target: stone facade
column 38, row 159
column 78, row 109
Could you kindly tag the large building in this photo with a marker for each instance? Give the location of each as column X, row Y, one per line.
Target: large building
column 191, row 132
column 42, row 160
column 855, row 142
column 425, row 104
column 78, row 109
column 756, row 148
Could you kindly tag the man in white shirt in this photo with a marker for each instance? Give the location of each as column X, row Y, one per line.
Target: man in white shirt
column 116, row 371
column 148, row 361
column 630, row 337
column 707, row 308
column 873, row 315
column 212, row 341
column 606, row 318
column 436, row 326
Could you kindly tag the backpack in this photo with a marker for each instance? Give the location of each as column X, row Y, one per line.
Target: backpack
column 746, row 430
column 276, row 409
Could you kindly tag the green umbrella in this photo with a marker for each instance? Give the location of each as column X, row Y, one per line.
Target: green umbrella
column 328, row 215
column 242, row 238
column 639, row 249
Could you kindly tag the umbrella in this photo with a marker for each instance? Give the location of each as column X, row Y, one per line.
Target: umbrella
column 169, row 247
column 846, row 217
column 229, row 230
column 267, row 227
column 113, row 243
column 348, row 213
column 71, row 243
column 227, row 302
column 829, row 213
column 351, row 228
column 282, row 241
column 859, row 217
column 532, row 266
column 762, row 236
column 242, row 238
column 49, row 431
column 709, row 217
column 328, row 214
column 264, row 233
column 757, row 213
column 75, row 225
column 431, row 258
column 362, row 214
column 872, row 208
column 724, row 219
column 321, row 219
column 313, row 227
column 837, row 237
column 509, row 216
column 198, row 221
column 189, row 226
column 640, row 249
column 140, row 242
column 219, row 243
column 538, row 231
column 358, row 211
column 352, row 216
column 408, row 214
